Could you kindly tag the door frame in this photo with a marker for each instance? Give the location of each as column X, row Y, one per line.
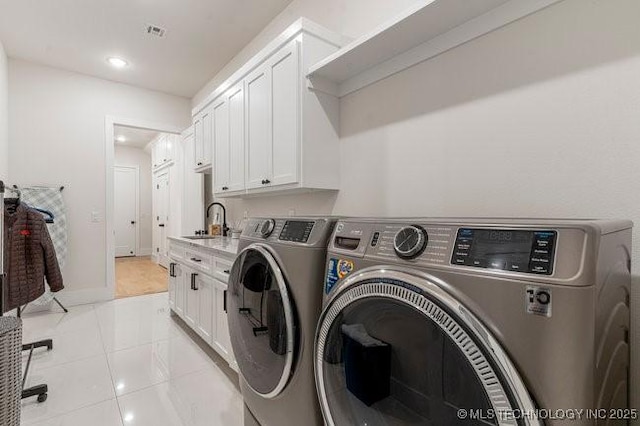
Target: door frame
column 136, row 169
column 109, row 123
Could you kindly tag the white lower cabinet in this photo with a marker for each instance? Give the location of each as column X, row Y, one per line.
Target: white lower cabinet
column 191, row 304
column 203, row 287
column 200, row 298
column 222, row 339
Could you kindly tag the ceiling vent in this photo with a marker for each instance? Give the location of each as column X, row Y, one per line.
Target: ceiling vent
column 155, row 30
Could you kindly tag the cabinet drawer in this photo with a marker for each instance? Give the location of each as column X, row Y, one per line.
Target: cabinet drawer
column 222, row 268
column 198, row 260
column 176, row 251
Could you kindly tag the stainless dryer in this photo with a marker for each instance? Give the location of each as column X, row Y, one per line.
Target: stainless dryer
column 274, row 301
column 475, row 322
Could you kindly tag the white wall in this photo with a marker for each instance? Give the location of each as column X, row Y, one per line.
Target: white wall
column 131, row 156
column 4, row 112
column 58, row 137
column 539, row 118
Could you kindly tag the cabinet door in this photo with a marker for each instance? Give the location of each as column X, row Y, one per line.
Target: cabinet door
column 285, row 101
column 221, row 145
column 205, row 324
column 192, row 191
column 207, row 139
column 222, row 340
column 236, row 138
column 198, row 135
column 155, row 155
column 172, row 286
column 258, row 115
column 190, row 299
column 177, row 290
column 170, row 143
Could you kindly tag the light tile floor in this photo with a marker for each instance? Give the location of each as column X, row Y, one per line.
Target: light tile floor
column 122, row 363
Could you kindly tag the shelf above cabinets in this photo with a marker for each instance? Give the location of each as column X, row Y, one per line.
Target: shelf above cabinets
column 420, row 33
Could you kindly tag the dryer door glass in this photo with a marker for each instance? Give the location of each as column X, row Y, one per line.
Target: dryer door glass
column 260, row 321
column 388, row 354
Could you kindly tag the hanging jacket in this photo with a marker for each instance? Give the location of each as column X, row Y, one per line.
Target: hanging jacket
column 29, row 257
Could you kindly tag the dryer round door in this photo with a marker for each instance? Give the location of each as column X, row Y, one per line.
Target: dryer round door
column 261, row 321
column 392, row 347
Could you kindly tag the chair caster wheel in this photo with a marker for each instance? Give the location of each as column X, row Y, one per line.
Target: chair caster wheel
column 42, row 397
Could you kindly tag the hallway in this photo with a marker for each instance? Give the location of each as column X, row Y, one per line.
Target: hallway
column 137, row 276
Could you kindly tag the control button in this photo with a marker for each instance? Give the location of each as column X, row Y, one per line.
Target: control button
column 540, row 259
column 541, row 252
column 461, row 254
column 480, row 263
column 374, row 240
column 459, row 260
column 539, row 268
column 463, row 246
column 542, row 243
column 517, row 267
column 497, row 264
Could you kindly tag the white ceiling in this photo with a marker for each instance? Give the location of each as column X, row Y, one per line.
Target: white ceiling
column 136, row 138
column 78, row 35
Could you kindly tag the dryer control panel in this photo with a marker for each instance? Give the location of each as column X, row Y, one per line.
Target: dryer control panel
column 505, row 249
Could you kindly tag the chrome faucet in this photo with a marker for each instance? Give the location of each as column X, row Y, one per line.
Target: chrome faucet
column 225, row 228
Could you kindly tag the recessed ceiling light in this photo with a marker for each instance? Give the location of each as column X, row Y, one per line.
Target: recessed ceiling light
column 121, row 138
column 117, row 62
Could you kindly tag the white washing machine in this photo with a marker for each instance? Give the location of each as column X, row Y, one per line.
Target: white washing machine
column 475, row 322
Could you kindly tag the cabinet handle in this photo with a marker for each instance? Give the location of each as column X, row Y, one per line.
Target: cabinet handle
column 225, row 300
column 226, row 271
column 224, row 188
column 161, row 225
column 266, row 181
column 193, row 282
column 195, row 259
column 172, row 270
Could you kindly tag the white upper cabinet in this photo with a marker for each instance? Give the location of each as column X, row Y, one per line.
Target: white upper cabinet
column 228, row 142
column 235, row 166
column 285, row 104
column 258, row 157
column 270, row 131
column 163, row 151
column 203, row 138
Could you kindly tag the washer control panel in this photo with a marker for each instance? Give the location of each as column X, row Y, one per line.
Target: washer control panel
column 297, row 230
column 506, row 249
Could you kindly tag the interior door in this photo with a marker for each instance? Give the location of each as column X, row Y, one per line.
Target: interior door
column 258, row 128
column 261, row 321
column 395, row 348
column 162, row 218
column 126, row 215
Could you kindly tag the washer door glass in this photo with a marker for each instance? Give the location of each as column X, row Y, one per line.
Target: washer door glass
column 260, row 321
column 387, row 353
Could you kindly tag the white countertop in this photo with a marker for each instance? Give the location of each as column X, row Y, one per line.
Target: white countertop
column 225, row 246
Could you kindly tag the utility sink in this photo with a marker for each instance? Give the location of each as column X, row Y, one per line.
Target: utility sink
column 200, row 237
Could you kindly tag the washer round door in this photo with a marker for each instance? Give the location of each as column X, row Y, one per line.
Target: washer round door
column 261, row 321
column 394, row 348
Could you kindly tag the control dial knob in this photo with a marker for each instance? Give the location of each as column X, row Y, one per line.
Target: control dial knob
column 267, row 227
column 410, row 241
